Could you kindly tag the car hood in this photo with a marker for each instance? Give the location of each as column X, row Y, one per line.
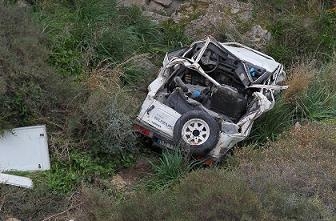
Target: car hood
column 251, row 56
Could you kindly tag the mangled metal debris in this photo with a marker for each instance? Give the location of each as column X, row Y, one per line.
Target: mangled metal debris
column 207, row 96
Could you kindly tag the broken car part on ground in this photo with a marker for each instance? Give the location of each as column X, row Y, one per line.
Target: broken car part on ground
column 23, row 149
column 207, row 96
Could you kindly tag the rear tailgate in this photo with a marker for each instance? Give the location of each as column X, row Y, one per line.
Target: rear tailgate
column 160, row 117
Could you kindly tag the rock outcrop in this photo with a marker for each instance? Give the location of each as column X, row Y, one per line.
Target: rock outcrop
column 223, row 19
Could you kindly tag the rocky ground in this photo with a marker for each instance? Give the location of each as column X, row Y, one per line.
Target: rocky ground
column 224, row 19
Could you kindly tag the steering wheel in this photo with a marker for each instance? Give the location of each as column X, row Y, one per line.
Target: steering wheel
column 206, row 60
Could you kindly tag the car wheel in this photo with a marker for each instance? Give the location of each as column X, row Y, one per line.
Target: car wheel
column 197, row 132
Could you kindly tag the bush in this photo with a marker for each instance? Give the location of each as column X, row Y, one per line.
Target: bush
column 299, row 29
column 30, row 89
column 299, row 165
column 107, row 113
column 291, row 179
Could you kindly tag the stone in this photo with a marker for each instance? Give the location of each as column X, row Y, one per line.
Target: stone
column 12, row 219
column 128, row 3
column 221, row 18
column 143, row 62
column 22, row 4
column 156, row 7
column 155, row 17
column 164, row 3
column 258, row 37
column 297, row 126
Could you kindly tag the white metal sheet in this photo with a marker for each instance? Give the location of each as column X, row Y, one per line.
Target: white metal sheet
column 24, row 149
column 16, row 180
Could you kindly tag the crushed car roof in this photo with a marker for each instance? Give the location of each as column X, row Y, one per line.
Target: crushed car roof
column 252, row 56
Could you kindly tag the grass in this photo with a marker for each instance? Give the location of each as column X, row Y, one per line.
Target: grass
column 77, row 74
column 299, row 28
column 88, row 33
column 266, row 184
column 172, row 166
column 311, row 97
column 65, row 176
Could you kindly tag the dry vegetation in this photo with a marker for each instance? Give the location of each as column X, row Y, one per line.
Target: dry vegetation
column 291, row 179
column 299, row 79
column 84, row 76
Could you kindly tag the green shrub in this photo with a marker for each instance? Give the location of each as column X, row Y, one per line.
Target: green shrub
column 29, row 87
column 65, row 176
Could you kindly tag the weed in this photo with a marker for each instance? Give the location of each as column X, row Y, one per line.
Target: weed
column 311, row 96
column 174, row 35
column 299, row 29
column 171, row 167
column 271, row 124
column 65, row 176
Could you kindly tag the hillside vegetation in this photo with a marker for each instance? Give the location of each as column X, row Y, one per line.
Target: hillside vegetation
column 290, row 179
column 82, row 67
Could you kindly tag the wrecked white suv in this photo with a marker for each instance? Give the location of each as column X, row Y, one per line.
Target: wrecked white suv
column 207, row 96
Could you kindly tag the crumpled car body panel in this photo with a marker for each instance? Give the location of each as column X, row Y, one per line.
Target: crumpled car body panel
column 230, row 82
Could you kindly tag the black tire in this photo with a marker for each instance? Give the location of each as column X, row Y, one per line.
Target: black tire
column 209, row 143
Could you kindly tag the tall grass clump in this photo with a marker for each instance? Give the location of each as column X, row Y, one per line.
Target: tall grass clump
column 311, row 96
column 170, row 168
column 84, row 34
column 319, row 101
column 299, row 28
